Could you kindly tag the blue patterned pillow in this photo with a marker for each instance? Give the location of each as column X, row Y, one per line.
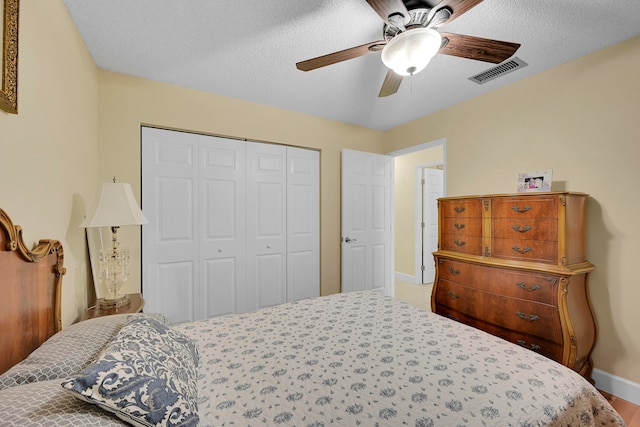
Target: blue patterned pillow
column 147, row 376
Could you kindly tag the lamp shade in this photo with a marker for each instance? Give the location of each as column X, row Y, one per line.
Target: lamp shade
column 114, row 206
column 409, row 52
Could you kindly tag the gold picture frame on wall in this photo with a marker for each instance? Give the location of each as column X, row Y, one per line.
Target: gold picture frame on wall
column 9, row 64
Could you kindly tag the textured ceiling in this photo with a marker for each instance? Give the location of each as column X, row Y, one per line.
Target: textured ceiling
column 248, row 49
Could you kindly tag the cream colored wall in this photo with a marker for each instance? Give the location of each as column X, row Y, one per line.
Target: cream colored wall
column 581, row 120
column 48, row 151
column 127, row 102
column 404, row 202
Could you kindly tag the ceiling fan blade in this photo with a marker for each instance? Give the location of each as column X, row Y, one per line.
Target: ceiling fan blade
column 458, row 7
column 386, row 8
column 471, row 47
column 343, row 55
column 391, row 84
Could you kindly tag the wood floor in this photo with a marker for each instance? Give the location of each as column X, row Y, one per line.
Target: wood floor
column 629, row 412
column 420, row 295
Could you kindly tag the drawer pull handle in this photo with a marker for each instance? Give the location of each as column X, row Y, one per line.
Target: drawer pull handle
column 521, row 229
column 452, row 295
column 522, row 251
column 530, row 318
column 530, row 288
column 459, row 226
column 459, row 210
column 534, row 347
column 452, row 271
column 521, row 210
column 460, row 243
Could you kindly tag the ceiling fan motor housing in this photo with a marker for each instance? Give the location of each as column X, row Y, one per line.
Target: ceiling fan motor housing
column 419, row 18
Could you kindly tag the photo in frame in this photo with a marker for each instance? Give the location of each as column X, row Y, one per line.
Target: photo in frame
column 535, row 181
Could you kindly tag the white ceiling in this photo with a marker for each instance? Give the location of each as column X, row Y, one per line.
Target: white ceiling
column 248, row 49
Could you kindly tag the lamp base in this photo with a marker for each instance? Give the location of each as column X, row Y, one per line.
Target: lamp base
column 114, row 303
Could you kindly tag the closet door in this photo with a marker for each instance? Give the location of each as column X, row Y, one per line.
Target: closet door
column 170, row 278
column 303, row 223
column 266, row 225
column 222, row 238
column 194, row 244
column 233, row 225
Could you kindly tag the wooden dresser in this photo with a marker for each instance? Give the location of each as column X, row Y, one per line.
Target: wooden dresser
column 514, row 265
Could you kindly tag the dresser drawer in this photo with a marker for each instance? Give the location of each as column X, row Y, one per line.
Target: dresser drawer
column 461, row 243
column 524, row 228
column 526, row 317
column 546, row 348
column 538, row 287
column 460, row 208
column 525, row 207
column 466, row 226
column 529, row 250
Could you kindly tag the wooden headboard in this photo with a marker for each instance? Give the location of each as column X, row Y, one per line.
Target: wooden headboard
column 30, row 291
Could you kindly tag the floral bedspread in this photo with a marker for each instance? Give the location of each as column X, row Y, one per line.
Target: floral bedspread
column 365, row 359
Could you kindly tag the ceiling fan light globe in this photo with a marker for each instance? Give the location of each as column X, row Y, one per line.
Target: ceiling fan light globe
column 409, row 52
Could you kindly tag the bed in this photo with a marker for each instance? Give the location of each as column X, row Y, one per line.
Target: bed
column 353, row 359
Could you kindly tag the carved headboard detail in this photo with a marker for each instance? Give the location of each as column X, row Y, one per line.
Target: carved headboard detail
column 30, row 292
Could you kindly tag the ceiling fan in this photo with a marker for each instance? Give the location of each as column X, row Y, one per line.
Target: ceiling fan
column 411, row 39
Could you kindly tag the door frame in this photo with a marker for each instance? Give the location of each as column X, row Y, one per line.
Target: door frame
column 417, row 278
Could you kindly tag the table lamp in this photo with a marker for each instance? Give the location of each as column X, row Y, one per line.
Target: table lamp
column 114, row 206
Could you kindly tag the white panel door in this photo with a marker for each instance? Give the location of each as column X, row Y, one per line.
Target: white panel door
column 266, row 225
column 303, row 223
column 432, row 190
column 218, row 239
column 366, row 222
column 170, row 238
column 222, row 226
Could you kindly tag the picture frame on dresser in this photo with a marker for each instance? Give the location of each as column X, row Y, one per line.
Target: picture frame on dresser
column 536, row 181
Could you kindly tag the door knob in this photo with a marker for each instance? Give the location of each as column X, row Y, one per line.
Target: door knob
column 349, row 240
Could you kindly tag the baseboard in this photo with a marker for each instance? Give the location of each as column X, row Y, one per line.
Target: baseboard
column 618, row 386
column 406, row 278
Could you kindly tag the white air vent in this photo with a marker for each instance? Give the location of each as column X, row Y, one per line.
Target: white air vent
column 497, row 71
